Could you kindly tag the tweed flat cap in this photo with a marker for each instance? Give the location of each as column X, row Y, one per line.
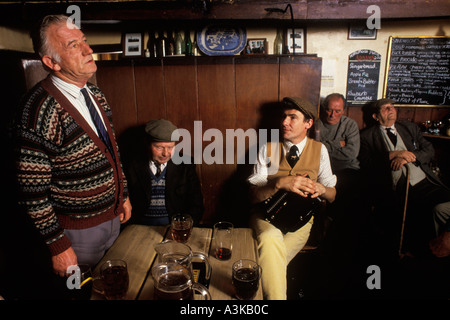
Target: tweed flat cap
column 162, row 130
column 381, row 102
column 302, row 105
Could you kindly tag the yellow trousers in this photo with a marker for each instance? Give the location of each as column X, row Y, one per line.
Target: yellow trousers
column 276, row 250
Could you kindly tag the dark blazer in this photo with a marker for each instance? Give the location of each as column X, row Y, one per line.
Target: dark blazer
column 374, row 155
column 183, row 189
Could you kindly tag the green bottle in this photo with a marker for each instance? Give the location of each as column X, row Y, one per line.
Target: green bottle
column 188, row 46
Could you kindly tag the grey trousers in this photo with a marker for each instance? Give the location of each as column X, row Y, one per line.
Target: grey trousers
column 90, row 244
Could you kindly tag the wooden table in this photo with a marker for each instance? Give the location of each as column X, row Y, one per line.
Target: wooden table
column 136, row 243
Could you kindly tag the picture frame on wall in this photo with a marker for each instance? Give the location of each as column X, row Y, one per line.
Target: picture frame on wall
column 256, row 46
column 297, row 38
column 361, row 32
column 133, row 44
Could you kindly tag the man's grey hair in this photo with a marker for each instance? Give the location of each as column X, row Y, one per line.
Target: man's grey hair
column 41, row 42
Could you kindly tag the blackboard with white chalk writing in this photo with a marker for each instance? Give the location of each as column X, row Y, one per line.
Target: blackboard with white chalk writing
column 418, row 71
column 363, row 77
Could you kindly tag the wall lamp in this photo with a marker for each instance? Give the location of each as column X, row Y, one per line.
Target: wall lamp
column 292, row 19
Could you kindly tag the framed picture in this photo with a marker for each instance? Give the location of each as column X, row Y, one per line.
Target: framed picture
column 256, row 46
column 361, row 33
column 295, row 40
column 133, row 44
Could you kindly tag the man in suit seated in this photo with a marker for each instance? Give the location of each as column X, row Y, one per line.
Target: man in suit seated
column 387, row 149
column 158, row 187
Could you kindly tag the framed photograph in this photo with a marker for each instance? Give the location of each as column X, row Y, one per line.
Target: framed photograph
column 256, row 46
column 133, row 44
column 295, row 40
column 361, row 33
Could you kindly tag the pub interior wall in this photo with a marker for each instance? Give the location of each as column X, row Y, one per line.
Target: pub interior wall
column 328, row 39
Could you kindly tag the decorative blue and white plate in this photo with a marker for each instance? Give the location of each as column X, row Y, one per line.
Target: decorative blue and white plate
column 221, row 40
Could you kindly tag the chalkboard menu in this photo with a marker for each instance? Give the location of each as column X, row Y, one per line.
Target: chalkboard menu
column 418, row 71
column 362, row 77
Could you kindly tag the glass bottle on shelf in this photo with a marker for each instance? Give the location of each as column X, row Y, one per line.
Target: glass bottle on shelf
column 188, row 43
column 151, row 44
column 170, row 44
column 161, row 44
column 179, row 43
column 278, row 43
column 195, row 51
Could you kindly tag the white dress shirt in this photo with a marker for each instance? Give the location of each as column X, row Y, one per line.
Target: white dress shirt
column 261, row 170
column 153, row 166
column 76, row 98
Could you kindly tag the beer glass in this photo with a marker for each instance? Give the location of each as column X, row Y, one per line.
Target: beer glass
column 181, row 227
column 115, row 280
column 245, row 277
column 223, row 233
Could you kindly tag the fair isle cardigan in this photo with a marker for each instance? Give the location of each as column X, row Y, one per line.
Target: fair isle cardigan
column 67, row 177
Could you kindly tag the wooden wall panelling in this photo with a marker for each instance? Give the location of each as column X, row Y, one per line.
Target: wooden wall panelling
column 217, row 110
column 180, row 86
column 356, row 114
column 422, row 115
column 117, row 83
column 405, row 113
column 300, row 77
column 440, row 113
column 257, row 84
column 150, row 97
column 257, row 81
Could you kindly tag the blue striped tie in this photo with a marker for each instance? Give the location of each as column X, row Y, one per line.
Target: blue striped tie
column 102, row 133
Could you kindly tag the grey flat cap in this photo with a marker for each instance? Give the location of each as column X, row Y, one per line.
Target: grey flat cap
column 162, row 130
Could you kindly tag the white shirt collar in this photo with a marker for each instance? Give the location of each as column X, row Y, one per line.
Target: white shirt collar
column 153, row 166
column 383, row 128
column 69, row 88
column 288, row 144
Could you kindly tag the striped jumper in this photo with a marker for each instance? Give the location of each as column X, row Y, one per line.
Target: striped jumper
column 67, row 178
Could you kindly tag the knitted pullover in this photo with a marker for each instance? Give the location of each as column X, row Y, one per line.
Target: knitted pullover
column 66, row 176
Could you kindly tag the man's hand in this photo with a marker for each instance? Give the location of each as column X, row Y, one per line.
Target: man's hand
column 126, row 215
column 408, row 156
column 297, row 184
column 63, row 261
column 398, row 163
column 320, row 190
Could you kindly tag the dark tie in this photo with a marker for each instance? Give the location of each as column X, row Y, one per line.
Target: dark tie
column 292, row 156
column 391, row 136
column 102, row 133
column 158, row 169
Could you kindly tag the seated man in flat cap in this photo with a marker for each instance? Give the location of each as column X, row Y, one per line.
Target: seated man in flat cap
column 310, row 175
column 159, row 188
column 388, row 151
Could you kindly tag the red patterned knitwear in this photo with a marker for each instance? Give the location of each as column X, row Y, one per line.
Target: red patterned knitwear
column 67, row 177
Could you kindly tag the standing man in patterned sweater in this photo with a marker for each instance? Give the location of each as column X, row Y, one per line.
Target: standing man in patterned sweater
column 69, row 171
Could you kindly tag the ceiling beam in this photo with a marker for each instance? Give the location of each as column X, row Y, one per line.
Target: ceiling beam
column 303, row 10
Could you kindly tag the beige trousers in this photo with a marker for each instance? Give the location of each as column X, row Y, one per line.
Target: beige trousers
column 276, row 250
